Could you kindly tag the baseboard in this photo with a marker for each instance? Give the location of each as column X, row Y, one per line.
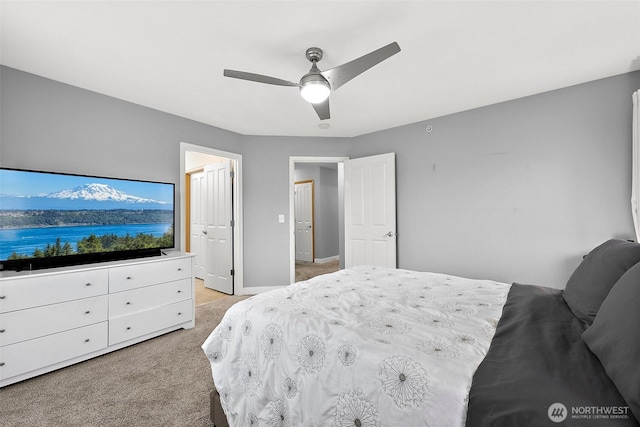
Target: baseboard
column 326, row 260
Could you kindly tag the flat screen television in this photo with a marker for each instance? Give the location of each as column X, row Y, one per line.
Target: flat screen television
column 50, row 219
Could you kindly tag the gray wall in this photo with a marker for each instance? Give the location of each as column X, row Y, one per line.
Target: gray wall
column 325, row 212
column 47, row 125
column 266, row 195
column 516, row 191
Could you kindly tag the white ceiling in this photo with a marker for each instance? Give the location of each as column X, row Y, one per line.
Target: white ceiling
column 456, row 55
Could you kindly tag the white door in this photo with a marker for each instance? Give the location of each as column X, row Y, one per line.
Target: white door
column 218, row 227
column 370, row 211
column 198, row 241
column 303, row 213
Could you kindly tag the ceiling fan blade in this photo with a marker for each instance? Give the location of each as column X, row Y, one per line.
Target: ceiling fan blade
column 341, row 74
column 322, row 109
column 258, row 78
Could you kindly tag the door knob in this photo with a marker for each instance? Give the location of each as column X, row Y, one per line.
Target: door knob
column 389, row 234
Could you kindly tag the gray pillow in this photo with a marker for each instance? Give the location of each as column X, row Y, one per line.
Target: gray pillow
column 591, row 282
column 614, row 337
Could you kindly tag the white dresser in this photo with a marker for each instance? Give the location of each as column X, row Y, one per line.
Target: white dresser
column 57, row 317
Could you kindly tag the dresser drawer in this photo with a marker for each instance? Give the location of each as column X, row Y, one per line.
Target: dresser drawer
column 40, row 289
column 128, row 302
column 145, row 322
column 36, row 322
column 34, row 354
column 134, row 276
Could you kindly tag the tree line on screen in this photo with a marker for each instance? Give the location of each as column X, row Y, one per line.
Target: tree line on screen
column 56, row 218
column 104, row 243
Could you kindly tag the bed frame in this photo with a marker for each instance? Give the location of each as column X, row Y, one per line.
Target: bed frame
column 215, row 410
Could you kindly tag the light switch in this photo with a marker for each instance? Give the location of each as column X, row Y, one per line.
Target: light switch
column 281, row 218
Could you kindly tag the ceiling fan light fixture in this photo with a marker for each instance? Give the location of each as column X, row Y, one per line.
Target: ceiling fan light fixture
column 314, row 88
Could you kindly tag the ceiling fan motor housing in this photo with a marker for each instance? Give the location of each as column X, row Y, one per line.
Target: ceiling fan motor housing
column 314, row 54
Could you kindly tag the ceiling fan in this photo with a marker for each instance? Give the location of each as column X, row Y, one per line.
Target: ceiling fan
column 316, row 85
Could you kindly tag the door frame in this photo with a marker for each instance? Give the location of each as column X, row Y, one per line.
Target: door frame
column 313, row 216
column 238, row 248
column 292, row 226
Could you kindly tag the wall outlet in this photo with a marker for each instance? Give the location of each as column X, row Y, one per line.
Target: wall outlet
column 281, row 218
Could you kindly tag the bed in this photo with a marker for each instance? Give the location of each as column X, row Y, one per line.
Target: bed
column 371, row 346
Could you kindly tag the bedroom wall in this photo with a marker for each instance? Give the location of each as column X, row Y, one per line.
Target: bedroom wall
column 266, row 195
column 47, row 125
column 516, row 191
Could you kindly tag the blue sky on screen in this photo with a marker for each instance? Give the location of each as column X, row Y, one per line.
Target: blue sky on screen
column 24, row 183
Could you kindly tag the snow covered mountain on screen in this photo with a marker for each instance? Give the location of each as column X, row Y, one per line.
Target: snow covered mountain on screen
column 85, row 196
column 99, row 192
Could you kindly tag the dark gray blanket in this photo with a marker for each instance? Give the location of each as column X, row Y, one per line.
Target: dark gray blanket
column 538, row 369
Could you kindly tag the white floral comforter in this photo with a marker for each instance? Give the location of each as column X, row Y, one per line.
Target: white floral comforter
column 364, row 346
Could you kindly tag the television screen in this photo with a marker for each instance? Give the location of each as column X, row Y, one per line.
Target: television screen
column 51, row 219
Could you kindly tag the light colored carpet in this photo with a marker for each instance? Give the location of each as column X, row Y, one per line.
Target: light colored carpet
column 165, row 381
column 307, row 270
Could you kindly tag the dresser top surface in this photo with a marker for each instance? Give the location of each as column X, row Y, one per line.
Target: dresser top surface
column 166, row 255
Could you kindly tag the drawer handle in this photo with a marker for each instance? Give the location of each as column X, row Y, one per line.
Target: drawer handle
column 87, row 340
column 3, row 296
column 128, row 328
column 128, row 303
column 179, row 292
column 2, row 330
column 179, row 269
column 87, row 312
column 1, row 363
column 129, row 277
column 179, row 314
column 88, row 284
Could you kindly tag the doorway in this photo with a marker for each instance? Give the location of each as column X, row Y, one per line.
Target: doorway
column 303, row 218
column 323, row 260
column 200, row 168
column 367, row 209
